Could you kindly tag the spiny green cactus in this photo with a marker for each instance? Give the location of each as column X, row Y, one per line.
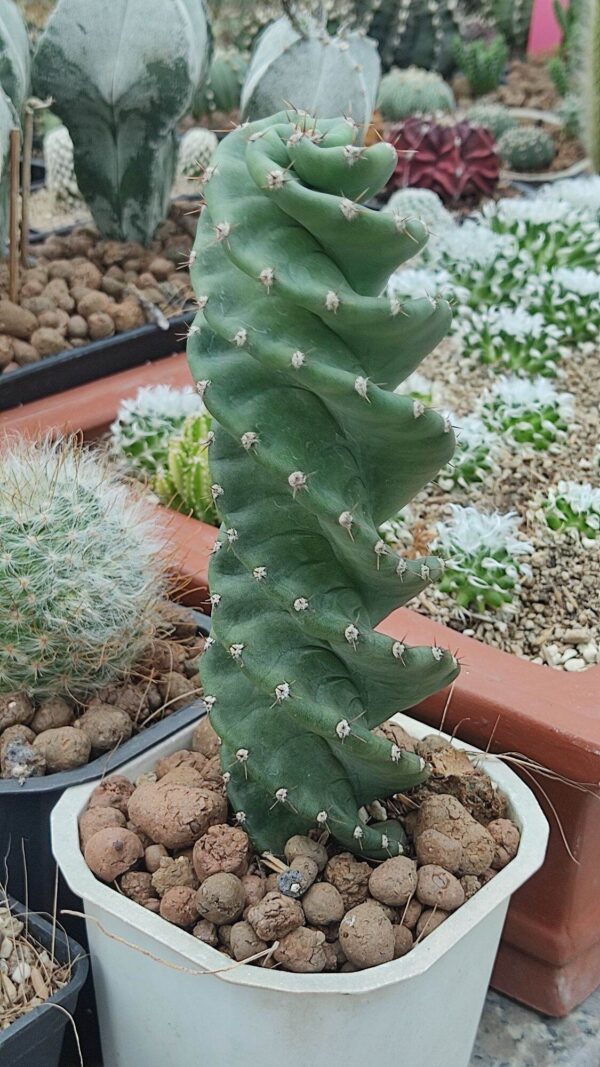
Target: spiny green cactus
column 195, row 152
column 146, row 423
column 121, row 76
column 574, row 506
column 569, row 298
column 482, row 60
column 297, row 357
column 80, row 572
column 223, row 87
column 421, row 204
column 482, row 267
column 591, row 84
column 416, row 31
column 184, row 482
column 298, row 64
column 551, row 231
column 15, row 62
column 563, row 67
column 494, row 117
column 526, row 148
column 61, row 182
column 570, row 113
column 513, row 338
column 483, row 550
column 528, row 413
column 412, row 92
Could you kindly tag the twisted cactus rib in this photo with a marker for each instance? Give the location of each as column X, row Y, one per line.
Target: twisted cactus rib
column 297, row 355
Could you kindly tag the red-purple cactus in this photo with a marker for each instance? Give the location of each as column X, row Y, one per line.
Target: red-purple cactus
column 454, row 160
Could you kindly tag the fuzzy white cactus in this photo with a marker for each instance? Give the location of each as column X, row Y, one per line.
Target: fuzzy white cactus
column 484, row 267
column 552, row 231
column 476, row 452
column 569, row 298
column 60, row 169
column 530, row 414
column 412, row 284
column 195, row 152
column 574, row 506
column 514, row 338
column 144, row 425
column 80, row 571
column 422, row 204
column 581, row 193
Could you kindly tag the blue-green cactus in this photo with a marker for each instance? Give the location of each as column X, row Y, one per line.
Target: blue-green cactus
column 122, row 75
column 297, row 357
column 15, row 62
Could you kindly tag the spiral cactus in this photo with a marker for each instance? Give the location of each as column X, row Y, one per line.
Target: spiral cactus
column 454, row 160
column 413, row 92
column 526, row 148
column 184, row 482
column 80, row 575
column 297, row 357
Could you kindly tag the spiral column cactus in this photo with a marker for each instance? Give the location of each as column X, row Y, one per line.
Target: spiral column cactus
column 297, row 356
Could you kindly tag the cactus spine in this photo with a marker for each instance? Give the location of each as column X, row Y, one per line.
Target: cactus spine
column 297, row 357
column 122, row 114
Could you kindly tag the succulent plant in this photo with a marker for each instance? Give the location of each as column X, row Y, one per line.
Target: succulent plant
column 483, row 569
column 526, row 148
column 61, row 182
column 418, row 387
column 121, row 76
column 574, row 506
column 514, row 339
column 297, row 365
column 184, row 482
column 412, row 92
column 145, row 424
column 223, row 87
column 416, row 31
column 196, row 149
column 591, row 83
column 297, row 64
column 493, row 117
column 583, row 193
column 8, row 121
column 15, row 62
column 481, row 58
column 569, row 297
column 550, row 230
column 407, row 283
column 454, row 160
column 483, row 267
column 570, row 114
column 419, row 204
column 527, row 413
column 563, row 66
column 473, row 460
column 80, row 572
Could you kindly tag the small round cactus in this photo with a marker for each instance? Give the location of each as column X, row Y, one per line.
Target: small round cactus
column 454, row 159
column 526, row 148
column 419, row 204
column 184, row 483
column 195, row 152
column 574, row 506
column 413, row 92
column 80, row 572
column 144, row 425
column 569, row 297
column 493, row 117
column 60, row 168
column 529, row 413
column 483, row 267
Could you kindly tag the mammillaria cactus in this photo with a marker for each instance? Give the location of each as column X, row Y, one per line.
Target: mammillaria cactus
column 525, row 148
column 420, row 204
column 513, row 339
column 223, row 87
column 79, row 571
column 527, row 413
column 583, row 193
column 15, row 63
column 574, row 506
column 121, row 86
column 413, row 92
column 455, row 160
column 195, row 152
column 61, row 182
column 483, row 267
column 483, row 551
column 296, row 63
column 184, row 482
column 297, row 357
column 145, row 424
column 480, row 53
column 569, row 297
column 494, row 117
column 552, row 231
column 473, row 460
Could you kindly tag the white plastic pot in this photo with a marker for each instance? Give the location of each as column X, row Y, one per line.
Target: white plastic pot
column 419, row 1011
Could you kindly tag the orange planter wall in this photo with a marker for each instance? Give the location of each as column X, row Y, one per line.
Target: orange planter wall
column 550, row 953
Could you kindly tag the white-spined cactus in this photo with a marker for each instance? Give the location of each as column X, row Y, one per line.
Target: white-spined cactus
column 122, row 75
column 80, row 571
column 61, row 182
column 483, row 568
column 195, row 152
column 569, row 297
column 574, row 506
column 473, row 460
column 552, row 231
column 529, row 414
column 145, row 424
column 583, row 193
column 421, row 204
column 484, row 267
column 513, row 339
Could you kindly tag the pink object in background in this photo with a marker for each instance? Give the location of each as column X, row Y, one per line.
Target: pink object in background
column 544, row 32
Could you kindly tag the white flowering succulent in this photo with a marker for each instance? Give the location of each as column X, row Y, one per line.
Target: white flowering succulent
column 569, row 298
column 528, row 413
column 574, row 506
column 473, row 460
column 144, row 425
column 483, row 266
column 552, row 231
column 482, row 551
column 514, row 338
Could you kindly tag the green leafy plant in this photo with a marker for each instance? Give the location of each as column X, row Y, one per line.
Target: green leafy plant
column 184, row 482
column 122, row 115
column 412, row 92
column 481, row 53
column 494, row 117
column 483, row 569
column 574, row 506
column 298, row 368
column 80, row 571
column 531, row 414
column 526, row 148
column 146, row 423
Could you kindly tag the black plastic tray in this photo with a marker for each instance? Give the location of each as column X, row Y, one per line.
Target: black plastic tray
column 35, row 1040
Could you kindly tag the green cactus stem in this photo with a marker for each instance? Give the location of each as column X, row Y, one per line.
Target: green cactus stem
column 184, row 482
column 297, row 356
column 482, row 60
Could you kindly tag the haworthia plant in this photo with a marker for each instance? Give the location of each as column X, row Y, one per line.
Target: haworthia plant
column 15, row 63
column 299, row 64
column 122, row 75
column 297, row 356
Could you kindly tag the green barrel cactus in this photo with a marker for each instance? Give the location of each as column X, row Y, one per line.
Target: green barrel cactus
column 15, row 62
column 80, row 572
column 184, row 482
column 298, row 64
column 145, row 424
column 297, row 355
column 121, row 76
column 481, row 56
column 493, row 117
column 413, row 92
column 525, row 148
